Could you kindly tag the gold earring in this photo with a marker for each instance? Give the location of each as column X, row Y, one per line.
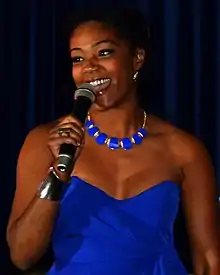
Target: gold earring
column 140, row 57
column 135, row 76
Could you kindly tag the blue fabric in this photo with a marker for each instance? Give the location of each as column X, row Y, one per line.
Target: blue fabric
column 99, row 235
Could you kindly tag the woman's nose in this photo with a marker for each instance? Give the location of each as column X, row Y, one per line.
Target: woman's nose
column 90, row 66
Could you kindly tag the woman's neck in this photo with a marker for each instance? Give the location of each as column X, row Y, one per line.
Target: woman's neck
column 119, row 122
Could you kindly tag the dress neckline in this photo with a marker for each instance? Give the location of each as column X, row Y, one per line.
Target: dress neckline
column 148, row 190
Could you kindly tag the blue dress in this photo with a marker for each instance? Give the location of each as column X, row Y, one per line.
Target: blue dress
column 96, row 234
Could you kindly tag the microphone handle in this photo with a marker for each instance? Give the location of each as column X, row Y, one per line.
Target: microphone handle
column 67, row 151
column 66, row 157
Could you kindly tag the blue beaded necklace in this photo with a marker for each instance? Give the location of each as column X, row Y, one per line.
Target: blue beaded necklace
column 113, row 142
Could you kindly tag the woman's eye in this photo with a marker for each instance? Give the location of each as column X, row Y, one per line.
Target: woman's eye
column 76, row 59
column 106, row 52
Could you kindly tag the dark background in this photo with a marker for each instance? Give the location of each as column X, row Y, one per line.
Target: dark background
column 181, row 84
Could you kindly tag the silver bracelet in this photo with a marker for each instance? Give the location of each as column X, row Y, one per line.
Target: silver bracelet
column 51, row 188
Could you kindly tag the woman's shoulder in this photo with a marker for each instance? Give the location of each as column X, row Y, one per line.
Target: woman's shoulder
column 43, row 130
column 183, row 144
column 39, row 135
column 35, row 143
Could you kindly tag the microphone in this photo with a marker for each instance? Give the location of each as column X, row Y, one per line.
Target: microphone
column 84, row 97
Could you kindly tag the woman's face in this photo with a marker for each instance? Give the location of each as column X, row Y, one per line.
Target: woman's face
column 102, row 59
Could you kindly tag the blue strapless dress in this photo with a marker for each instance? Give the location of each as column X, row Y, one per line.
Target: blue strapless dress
column 96, row 234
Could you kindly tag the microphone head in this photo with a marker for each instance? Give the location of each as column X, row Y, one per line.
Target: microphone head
column 85, row 90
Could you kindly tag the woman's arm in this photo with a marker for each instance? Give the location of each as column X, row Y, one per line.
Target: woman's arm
column 32, row 219
column 199, row 261
column 199, row 195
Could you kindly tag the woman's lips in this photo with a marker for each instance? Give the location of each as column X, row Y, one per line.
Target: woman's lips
column 100, row 84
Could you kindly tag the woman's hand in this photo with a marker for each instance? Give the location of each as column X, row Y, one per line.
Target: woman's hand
column 68, row 130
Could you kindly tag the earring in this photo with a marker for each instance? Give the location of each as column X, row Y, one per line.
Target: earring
column 140, row 57
column 135, row 76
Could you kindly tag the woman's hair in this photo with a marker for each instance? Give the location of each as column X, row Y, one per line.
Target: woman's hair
column 128, row 22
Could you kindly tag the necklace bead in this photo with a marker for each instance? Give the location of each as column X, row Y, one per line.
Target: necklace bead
column 101, row 138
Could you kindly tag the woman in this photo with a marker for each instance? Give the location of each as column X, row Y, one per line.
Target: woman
column 117, row 214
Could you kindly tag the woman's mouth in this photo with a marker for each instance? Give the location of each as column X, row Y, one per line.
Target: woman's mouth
column 100, row 85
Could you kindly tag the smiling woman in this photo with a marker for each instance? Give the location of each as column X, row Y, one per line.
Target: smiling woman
column 114, row 213
column 102, row 53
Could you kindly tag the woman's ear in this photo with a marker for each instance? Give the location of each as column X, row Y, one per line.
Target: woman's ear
column 139, row 59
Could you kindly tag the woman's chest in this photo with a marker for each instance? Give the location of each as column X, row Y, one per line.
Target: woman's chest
column 124, row 174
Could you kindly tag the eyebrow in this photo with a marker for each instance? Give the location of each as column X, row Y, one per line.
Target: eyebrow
column 98, row 43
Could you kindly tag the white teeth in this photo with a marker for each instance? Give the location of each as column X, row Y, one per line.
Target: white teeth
column 99, row 82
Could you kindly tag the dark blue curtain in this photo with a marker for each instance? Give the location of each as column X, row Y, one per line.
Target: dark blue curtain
column 181, row 83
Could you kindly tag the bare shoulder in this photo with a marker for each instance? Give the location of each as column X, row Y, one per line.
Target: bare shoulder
column 35, row 144
column 185, row 146
column 39, row 135
column 41, row 130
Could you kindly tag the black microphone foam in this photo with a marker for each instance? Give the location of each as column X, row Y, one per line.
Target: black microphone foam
column 84, row 97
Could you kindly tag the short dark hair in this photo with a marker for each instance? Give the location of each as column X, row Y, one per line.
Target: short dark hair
column 128, row 22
